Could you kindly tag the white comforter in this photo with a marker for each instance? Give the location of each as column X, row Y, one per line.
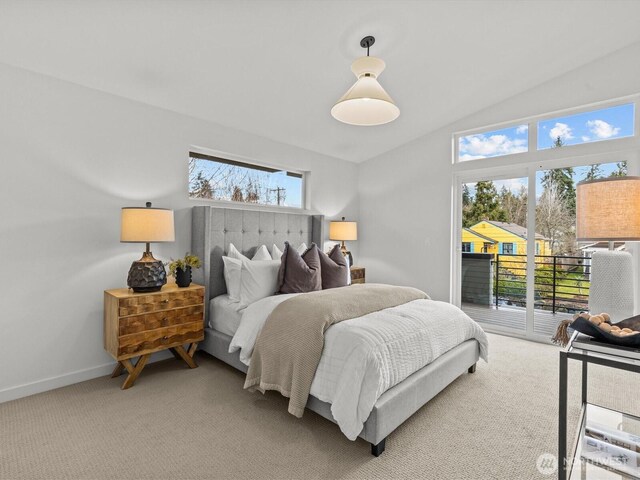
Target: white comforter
column 364, row 357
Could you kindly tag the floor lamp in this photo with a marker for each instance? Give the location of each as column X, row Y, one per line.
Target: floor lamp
column 608, row 210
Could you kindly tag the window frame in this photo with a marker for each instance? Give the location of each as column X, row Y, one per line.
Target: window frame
column 511, row 248
column 238, row 160
column 526, row 165
column 535, row 155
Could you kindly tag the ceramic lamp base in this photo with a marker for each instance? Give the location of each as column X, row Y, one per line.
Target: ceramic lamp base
column 147, row 274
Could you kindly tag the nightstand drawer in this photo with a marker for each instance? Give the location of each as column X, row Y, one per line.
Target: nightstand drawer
column 159, row 339
column 163, row 318
column 163, row 301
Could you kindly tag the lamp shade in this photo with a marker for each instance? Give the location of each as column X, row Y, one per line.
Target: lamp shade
column 366, row 102
column 608, row 209
column 343, row 231
column 146, row 225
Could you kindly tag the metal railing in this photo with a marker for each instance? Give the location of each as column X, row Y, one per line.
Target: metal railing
column 561, row 283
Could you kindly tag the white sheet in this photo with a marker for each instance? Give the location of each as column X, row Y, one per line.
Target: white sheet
column 364, row 357
column 224, row 314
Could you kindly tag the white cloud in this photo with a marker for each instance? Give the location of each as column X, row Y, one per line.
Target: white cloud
column 585, row 138
column 512, row 184
column 561, row 130
column 522, row 129
column 481, row 146
column 602, row 129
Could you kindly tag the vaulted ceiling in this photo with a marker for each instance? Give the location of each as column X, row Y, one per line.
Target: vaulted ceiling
column 275, row 67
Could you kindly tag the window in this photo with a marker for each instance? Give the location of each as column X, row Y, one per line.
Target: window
column 217, row 178
column 494, row 144
column 486, row 247
column 466, row 247
column 507, row 248
column 596, row 125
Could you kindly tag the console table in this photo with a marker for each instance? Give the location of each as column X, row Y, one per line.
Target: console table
column 583, row 349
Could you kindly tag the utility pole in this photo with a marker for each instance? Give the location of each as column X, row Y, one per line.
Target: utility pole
column 280, row 194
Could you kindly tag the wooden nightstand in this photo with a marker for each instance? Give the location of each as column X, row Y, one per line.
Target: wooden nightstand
column 357, row 275
column 139, row 324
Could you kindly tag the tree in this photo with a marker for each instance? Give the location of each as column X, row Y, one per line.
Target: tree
column 558, row 142
column 200, row 187
column 466, row 196
column 620, row 171
column 594, row 172
column 237, row 196
column 252, row 192
column 515, row 205
column 561, row 180
column 485, row 206
column 554, row 221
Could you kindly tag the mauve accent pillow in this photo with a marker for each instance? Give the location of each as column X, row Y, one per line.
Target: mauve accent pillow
column 334, row 268
column 299, row 273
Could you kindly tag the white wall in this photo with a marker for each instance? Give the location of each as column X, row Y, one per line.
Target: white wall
column 405, row 194
column 71, row 158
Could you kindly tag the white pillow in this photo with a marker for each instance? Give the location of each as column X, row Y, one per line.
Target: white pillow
column 258, row 280
column 276, row 253
column 232, row 270
column 348, row 270
column 261, row 254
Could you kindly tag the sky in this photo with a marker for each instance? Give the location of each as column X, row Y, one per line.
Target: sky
column 593, row 126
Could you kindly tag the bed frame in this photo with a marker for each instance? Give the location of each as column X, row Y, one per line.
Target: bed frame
column 213, row 228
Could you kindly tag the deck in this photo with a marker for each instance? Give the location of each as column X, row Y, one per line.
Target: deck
column 545, row 323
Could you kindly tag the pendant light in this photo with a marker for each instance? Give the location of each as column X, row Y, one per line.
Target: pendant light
column 366, row 102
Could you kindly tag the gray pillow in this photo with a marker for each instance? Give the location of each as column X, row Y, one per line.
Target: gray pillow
column 334, row 269
column 299, row 273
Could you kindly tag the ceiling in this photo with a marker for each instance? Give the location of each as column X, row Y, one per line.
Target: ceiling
column 275, row 67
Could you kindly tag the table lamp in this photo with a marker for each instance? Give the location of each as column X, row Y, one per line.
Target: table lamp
column 341, row 231
column 609, row 210
column 146, row 225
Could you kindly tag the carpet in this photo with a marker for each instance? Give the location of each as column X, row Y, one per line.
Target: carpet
column 197, row 424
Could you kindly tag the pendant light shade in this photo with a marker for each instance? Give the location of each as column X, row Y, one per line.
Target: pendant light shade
column 366, row 102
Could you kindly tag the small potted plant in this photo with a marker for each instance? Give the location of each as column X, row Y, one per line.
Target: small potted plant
column 181, row 269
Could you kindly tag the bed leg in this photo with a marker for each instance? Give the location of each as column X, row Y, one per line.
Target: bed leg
column 376, row 450
column 472, row 368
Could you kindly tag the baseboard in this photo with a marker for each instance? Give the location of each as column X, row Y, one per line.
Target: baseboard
column 46, row 384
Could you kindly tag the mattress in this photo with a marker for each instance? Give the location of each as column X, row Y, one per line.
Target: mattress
column 224, row 315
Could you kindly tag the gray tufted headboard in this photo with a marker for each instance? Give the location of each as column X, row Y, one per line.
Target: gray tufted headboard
column 213, row 228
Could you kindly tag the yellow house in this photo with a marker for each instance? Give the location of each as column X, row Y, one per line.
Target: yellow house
column 474, row 242
column 489, row 236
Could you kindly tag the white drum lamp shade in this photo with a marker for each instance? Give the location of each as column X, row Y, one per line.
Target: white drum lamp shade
column 343, row 230
column 146, row 225
column 609, row 210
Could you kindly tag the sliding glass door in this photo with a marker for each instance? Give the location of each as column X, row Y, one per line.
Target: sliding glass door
column 493, row 252
column 521, row 270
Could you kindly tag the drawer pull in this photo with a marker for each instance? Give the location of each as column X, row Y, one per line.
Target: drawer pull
column 165, row 338
column 165, row 301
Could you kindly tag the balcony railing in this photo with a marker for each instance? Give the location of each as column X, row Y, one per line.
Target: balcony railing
column 561, row 283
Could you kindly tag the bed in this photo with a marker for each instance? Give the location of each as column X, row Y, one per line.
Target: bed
column 214, row 228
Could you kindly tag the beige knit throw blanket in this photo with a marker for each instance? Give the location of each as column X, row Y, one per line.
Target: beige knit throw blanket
column 287, row 352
